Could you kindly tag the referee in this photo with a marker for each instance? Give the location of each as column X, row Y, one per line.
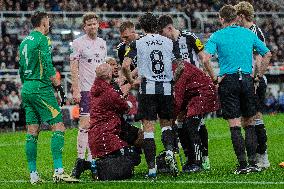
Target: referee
column 234, row 46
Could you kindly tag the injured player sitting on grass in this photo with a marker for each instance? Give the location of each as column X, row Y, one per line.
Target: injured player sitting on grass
column 113, row 142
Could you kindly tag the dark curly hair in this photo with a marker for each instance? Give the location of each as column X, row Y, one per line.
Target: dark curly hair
column 164, row 21
column 148, row 22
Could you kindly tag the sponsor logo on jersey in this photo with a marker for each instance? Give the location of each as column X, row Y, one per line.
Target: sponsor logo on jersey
column 127, row 51
column 199, row 44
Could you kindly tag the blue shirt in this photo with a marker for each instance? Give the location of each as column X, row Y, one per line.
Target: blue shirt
column 234, row 46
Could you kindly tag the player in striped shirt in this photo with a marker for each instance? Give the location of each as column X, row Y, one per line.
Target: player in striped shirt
column 155, row 54
column 127, row 34
column 190, row 49
column 245, row 12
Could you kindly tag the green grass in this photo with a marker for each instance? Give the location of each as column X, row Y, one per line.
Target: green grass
column 14, row 173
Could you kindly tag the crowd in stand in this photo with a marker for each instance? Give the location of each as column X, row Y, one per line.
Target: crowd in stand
column 9, row 95
column 9, row 42
column 128, row 5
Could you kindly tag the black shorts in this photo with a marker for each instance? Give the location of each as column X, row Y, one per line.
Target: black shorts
column 260, row 96
column 237, row 96
column 151, row 105
column 129, row 133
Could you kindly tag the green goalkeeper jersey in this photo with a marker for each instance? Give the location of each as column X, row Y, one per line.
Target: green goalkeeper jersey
column 36, row 63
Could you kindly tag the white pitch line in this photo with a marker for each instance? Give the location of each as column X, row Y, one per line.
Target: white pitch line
column 163, row 182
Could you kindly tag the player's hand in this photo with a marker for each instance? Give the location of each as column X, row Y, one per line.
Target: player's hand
column 217, row 80
column 125, row 89
column 136, row 82
column 256, row 80
column 61, row 94
column 76, row 97
column 76, row 94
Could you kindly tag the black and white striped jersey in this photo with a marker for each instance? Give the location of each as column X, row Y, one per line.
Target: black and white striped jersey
column 189, row 45
column 121, row 48
column 258, row 32
column 154, row 54
column 255, row 29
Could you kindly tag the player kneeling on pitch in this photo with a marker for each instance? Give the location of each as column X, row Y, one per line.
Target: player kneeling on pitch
column 195, row 95
column 110, row 138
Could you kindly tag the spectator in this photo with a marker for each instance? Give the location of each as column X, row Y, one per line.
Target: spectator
column 4, row 91
column 281, row 102
column 270, row 103
column 3, row 105
column 15, row 100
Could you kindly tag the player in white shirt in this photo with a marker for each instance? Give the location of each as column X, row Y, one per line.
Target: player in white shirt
column 88, row 51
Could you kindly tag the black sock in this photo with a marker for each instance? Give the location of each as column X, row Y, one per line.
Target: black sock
column 260, row 132
column 194, row 151
column 168, row 139
column 150, row 152
column 176, row 138
column 251, row 143
column 183, row 138
column 203, row 133
column 239, row 145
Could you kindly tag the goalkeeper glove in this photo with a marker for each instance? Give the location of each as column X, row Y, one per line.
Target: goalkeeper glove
column 61, row 94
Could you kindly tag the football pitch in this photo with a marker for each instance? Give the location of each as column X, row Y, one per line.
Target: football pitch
column 14, row 173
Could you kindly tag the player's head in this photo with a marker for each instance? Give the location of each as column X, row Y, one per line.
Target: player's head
column 91, row 23
column 127, row 32
column 148, row 23
column 228, row 14
column 104, row 71
column 245, row 12
column 166, row 26
column 112, row 62
column 41, row 20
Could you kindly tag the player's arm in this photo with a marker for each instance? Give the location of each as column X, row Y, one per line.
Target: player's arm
column 262, row 50
column 120, row 52
column 258, row 62
column 198, row 47
column 209, row 50
column 258, row 58
column 46, row 60
column 177, row 59
column 179, row 69
column 207, row 65
column 21, row 70
column 126, row 69
column 130, row 54
column 74, row 69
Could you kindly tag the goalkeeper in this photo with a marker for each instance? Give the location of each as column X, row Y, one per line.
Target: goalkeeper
column 38, row 78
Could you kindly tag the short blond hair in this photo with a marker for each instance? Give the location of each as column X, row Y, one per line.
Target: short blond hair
column 246, row 9
column 126, row 25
